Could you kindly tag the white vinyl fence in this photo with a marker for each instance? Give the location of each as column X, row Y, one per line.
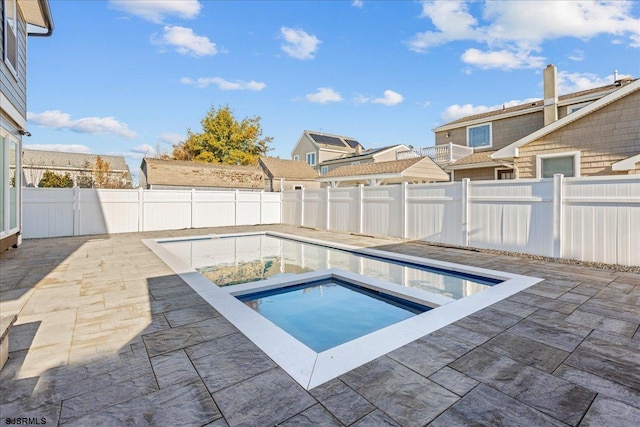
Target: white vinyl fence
column 589, row 219
column 53, row 212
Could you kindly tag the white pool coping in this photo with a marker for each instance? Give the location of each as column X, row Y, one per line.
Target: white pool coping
column 309, row 368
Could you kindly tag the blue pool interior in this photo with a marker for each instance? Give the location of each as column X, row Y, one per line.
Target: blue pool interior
column 326, row 313
column 232, row 260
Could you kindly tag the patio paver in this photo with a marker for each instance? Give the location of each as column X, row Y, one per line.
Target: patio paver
column 107, row 334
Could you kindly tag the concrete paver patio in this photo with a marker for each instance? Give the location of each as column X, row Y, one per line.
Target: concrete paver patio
column 107, row 334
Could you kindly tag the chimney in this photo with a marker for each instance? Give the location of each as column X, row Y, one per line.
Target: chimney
column 550, row 95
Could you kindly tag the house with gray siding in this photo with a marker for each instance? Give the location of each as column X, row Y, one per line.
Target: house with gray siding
column 318, row 147
column 19, row 20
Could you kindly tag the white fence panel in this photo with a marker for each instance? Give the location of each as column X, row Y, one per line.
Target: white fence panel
column 512, row 215
column 382, row 211
column 214, row 208
column 166, row 210
column 47, row 212
column 315, row 211
column 601, row 220
column 248, row 208
column 344, row 209
column 271, row 208
column 434, row 213
column 292, row 207
column 107, row 211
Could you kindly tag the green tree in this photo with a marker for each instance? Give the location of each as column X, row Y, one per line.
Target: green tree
column 225, row 140
column 84, row 178
column 54, row 180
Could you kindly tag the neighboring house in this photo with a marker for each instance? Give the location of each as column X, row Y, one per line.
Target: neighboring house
column 317, row 147
column 165, row 174
column 592, row 132
column 372, row 155
column 282, row 174
column 20, row 18
column 413, row 170
column 79, row 165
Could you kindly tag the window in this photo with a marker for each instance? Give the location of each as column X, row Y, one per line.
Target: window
column 505, row 174
column 479, row 136
column 324, row 170
column 568, row 164
column 311, row 159
column 9, row 184
column 298, row 187
column 296, row 157
column 576, row 107
column 11, row 34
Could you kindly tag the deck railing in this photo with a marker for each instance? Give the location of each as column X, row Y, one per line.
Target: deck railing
column 441, row 154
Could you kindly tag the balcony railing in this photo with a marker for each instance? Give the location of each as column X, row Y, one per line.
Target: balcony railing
column 440, row 154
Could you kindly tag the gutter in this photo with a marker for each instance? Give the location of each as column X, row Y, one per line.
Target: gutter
column 48, row 19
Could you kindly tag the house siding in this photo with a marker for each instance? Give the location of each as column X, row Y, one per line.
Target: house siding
column 477, row 174
column 15, row 89
column 504, row 131
column 603, row 137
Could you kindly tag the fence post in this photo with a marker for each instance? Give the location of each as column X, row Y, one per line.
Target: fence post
column 302, row 206
column 403, row 207
column 193, row 207
column 465, row 211
column 261, row 206
column 557, row 215
column 140, row 209
column 328, row 207
column 360, row 208
column 76, row 211
column 235, row 216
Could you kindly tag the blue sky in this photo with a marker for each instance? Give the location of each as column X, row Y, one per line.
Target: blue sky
column 126, row 77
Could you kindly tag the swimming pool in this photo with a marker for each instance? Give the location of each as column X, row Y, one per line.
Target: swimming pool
column 398, row 276
column 239, row 259
column 326, row 313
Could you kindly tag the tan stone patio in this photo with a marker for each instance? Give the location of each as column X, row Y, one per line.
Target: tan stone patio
column 107, row 334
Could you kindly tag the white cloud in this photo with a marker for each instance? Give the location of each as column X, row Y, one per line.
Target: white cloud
column 512, row 30
column 324, row 95
column 357, row 3
column 299, row 44
column 388, row 98
column 203, row 82
column 457, row 111
column 502, row 59
column 576, row 82
column 64, row 148
column 185, row 41
column 144, row 149
column 56, row 119
column 576, row 55
column 171, row 138
column 157, row 11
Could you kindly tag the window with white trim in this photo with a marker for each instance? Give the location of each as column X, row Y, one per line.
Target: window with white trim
column 479, row 136
column 296, row 157
column 11, row 34
column 567, row 164
column 324, row 170
column 9, row 184
column 311, row 159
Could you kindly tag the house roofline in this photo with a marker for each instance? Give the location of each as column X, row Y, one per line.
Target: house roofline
column 533, row 109
column 45, row 11
column 511, row 150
